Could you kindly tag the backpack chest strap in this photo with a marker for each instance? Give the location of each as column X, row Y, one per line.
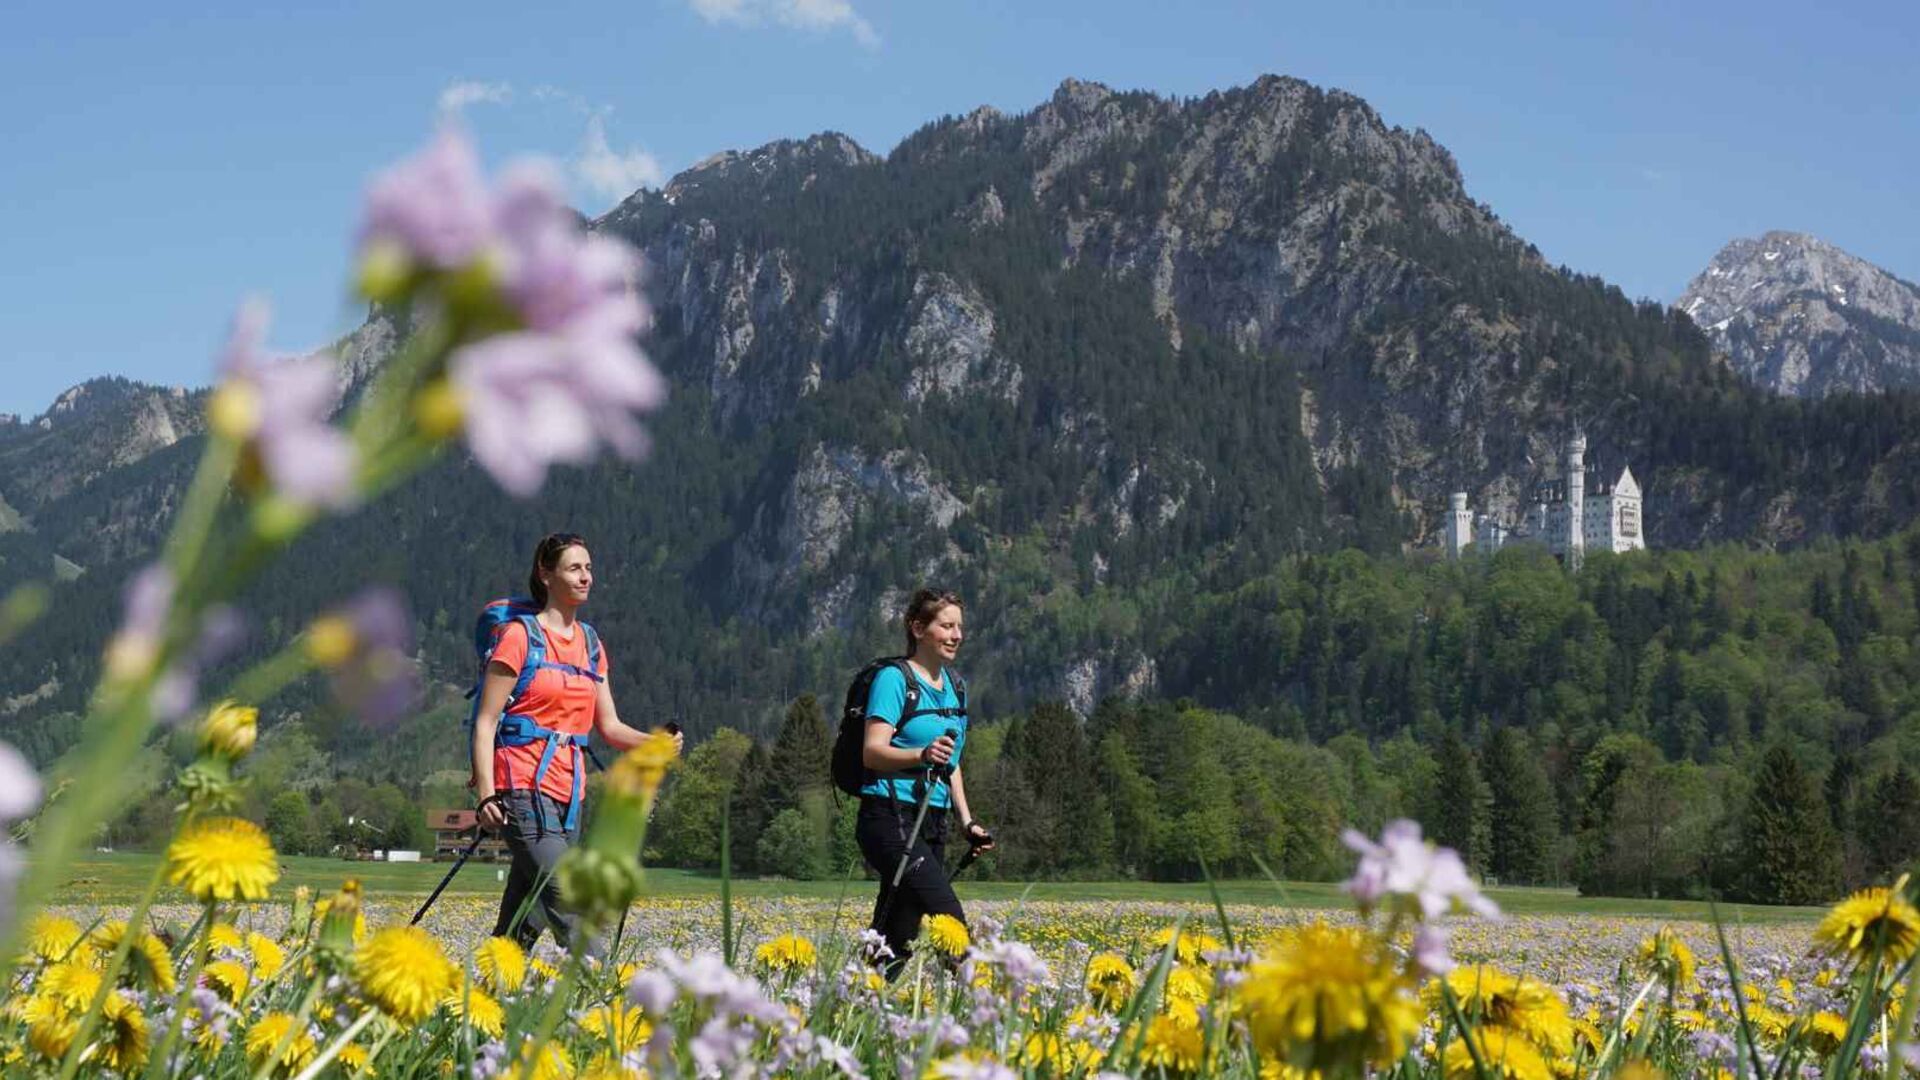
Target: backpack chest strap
column 524, row 731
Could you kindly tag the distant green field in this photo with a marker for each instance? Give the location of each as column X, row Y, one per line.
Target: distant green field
column 118, row 877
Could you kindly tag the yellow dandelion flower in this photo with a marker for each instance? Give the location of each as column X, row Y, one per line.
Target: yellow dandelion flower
column 1111, row 981
column 223, row 859
column 619, row 1025
column 1640, row 1069
column 638, row 772
column 949, row 935
column 1665, row 955
column 1171, row 1046
column 353, row 1058
column 1825, row 1032
column 785, row 954
column 502, row 965
column 149, row 966
column 1187, row 948
column 1280, row 1070
column 228, row 978
column 1506, row 1055
column 539, row 966
column 71, row 984
column 1043, row 1050
column 277, row 1029
column 1689, row 1019
column 1771, row 1023
column 268, row 956
column 1517, row 1003
column 402, row 970
column 1187, row 985
column 225, row 936
column 121, row 1039
column 606, row 1066
column 52, row 937
column 1587, row 1036
column 1871, row 921
column 552, row 1062
column 51, row 1032
column 478, row 1009
column 1329, row 998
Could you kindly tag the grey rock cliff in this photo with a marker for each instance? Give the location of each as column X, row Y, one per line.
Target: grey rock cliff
column 1795, row 314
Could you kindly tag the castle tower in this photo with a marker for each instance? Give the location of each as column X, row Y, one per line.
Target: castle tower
column 1576, row 539
column 1459, row 525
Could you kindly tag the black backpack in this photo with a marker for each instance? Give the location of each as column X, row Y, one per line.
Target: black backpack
column 849, row 744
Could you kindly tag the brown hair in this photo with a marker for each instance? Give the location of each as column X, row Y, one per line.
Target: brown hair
column 546, row 556
column 925, row 604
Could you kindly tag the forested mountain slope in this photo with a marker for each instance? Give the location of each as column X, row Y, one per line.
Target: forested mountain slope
column 1088, row 364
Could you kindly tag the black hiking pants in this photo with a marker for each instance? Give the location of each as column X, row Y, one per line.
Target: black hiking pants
column 882, row 829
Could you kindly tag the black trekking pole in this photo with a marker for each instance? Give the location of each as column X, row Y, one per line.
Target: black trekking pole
column 478, row 835
column 973, row 853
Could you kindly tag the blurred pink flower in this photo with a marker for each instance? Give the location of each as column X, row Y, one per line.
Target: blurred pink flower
column 434, row 205
column 1403, row 864
column 572, row 378
column 306, row 459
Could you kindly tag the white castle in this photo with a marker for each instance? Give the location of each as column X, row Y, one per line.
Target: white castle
column 1569, row 516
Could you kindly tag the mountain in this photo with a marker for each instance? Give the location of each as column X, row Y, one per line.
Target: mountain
column 1091, row 365
column 1797, row 315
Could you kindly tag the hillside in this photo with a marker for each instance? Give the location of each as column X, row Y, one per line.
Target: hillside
column 1085, row 364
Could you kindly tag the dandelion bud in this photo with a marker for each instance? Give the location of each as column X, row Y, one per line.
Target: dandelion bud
column 233, row 412
column 331, row 641
column 386, row 272
column 438, row 410
column 340, row 924
column 596, row 884
column 230, row 730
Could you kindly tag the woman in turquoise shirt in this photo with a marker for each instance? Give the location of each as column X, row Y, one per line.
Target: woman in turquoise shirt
column 907, row 749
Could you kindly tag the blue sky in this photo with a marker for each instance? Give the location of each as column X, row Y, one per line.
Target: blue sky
column 160, row 165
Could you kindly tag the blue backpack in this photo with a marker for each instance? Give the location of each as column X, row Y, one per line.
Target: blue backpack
column 517, row 730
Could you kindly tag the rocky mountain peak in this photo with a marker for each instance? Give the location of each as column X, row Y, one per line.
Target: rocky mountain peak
column 1794, row 313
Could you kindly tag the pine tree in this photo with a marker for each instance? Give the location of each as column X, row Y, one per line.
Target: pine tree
column 1525, row 826
column 1889, row 825
column 1792, row 853
column 802, row 753
column 1464, row 815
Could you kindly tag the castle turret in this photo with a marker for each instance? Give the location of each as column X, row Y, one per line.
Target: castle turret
column 1459, row 525
column 1576, row 539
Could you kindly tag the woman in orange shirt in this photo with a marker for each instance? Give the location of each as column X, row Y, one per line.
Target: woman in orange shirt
column 528, row 766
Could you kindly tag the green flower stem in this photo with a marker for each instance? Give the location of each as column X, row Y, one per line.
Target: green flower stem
column 334, row 1048
column 1613, row 1041
column 110, row 978
column 381, row 417
column 202, row 943
column 556, row 1007
column 202, row 506
column 115, row 736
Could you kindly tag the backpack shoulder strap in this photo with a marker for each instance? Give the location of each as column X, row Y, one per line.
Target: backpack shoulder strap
column 593, row 649
column 912, row 690
column 536, row 654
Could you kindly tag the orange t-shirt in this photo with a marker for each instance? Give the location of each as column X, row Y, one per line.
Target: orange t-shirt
column 559, row 700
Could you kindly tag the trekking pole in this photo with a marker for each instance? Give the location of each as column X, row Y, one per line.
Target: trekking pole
column 478, row 835
column 919, row 818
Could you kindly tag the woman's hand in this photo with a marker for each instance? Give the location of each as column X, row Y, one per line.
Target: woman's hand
column 938, row 752
column 492, row 813
column 978, row 838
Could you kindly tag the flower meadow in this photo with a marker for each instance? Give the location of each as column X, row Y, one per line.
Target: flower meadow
column 524, row 347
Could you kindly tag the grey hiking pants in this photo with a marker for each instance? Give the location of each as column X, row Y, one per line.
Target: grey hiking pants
column 530, row 882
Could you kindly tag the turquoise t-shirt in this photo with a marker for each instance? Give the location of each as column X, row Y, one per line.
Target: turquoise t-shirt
column 885, row 701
